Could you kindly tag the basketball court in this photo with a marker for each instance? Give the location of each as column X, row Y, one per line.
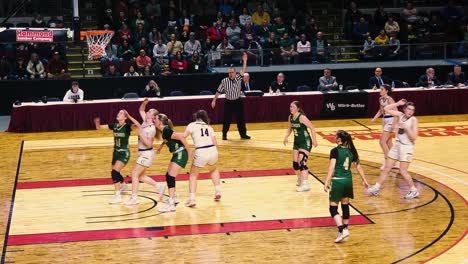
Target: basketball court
column 56, row 188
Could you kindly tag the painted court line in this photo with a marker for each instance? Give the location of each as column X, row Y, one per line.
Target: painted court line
column 160, row 231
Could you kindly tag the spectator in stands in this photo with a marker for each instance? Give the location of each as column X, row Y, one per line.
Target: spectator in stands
column 121, row 20
column 57, row 68
column 248, row 32
column 288, row 52
column 380, row 16
column 260, row 15
column 247, row 84
column 124, row 34
column 35, row 67
column 263, row 32
column 142, row 61
column 320, row 48
column 5, row 68
column 436, row 29
column 139, row 19
column 160, row 50
column 111, row 54
column 125, row 51
column 54, row 22
column 38, row 22
column 179, row 64
column 391, row 26
column 352, row 17
column 280, row 28
column 108, row 19
column 457, row 77
column 139, row 32
column 143, row 44
column 411, row 35
column 279, row 85
column 368, row 50
column 233, row 15
column 151, row 90
column 19, row 72
column 245, row 17
column 174, row 46
column 409, row 13
column 361, row 30
column 112, row 72
column 294, row 31
column 381, row 42
column 225, row 8
column 310, row 29
column 196, row 64
column 233, row 33
column 147, row 71
column 304, row 50
column 216, row 33
column 272, row 51
column 192, row 45
column 166, row 71
column 428, row 80
column 131, row 72
column 74, row 94
column 378, row 80
column 154, row 36
column 327, row 82
column 393, row 46
column 226, row 51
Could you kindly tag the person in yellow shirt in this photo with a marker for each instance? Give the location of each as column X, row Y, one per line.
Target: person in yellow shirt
column 382, row 38
column 260, row 15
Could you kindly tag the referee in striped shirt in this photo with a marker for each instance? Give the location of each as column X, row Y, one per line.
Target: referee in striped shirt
column 231, row 86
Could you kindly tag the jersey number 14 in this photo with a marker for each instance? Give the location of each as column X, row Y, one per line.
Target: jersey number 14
column 204, row 132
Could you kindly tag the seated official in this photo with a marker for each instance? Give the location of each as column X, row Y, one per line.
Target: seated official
column 429, row 79
column 75, row 94
column 457, row 77
column 247, row 84
column 327, row 82
column 378, row 79
column 279, row 85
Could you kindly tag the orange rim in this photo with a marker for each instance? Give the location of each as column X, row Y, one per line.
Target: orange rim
column 83, row 34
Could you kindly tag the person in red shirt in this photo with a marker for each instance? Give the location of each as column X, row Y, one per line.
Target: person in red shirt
column 179, row 64
column 142, row 61
column 216, row 33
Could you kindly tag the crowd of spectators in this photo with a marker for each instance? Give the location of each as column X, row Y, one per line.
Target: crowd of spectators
column 34, row 60
column 383, row 34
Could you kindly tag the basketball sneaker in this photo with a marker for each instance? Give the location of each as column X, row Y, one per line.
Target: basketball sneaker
column 373, row 190
column 116, row 199
column 339, row 237
column 160, row 190
column 412, row 194
column 123, row 187
column 176, row 200
column 132, row 201
column 305, row 187
column 345, row 232
column 217, row 196
column 168, row 207
column 190, row 203
column 299, row 181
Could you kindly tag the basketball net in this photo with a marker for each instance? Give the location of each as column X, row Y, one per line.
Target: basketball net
column 97, row 44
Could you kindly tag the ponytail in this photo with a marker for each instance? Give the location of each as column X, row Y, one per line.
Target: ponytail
column 347, row 141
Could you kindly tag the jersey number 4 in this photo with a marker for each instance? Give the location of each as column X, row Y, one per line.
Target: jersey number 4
column 346, row 164
column 204, row 132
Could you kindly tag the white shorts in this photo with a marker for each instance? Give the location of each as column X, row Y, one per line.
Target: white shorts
column 387, row 123
column 205, row 156
column 145, row 158
column 402, row 153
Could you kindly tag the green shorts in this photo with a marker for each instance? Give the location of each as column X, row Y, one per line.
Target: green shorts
column 122, row 155
column 306, row 145
column 180, row 158
column 342, row 188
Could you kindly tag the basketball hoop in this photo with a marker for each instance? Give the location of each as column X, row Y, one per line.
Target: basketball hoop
column 97, row 41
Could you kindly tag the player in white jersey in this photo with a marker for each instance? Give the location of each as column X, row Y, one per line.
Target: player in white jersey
column 403, row 149
column 206, row 154
column 146, row 134
column 387, row 120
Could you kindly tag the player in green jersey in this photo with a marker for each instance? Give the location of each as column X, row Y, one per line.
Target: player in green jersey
column 121, row 154
column 299, row 124
column 339, row 180
column 181, row 152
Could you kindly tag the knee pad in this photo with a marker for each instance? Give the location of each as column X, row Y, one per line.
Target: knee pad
column 116, row 176
column 296, row 165
column 345, row 209
column 170, row 181
column 333, row 210
column 303, row 161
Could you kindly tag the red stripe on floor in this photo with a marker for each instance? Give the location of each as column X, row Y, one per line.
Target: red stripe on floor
column 180, row 177
column 63, row 237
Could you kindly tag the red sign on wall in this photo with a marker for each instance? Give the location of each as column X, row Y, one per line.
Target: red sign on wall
column 34, row 36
